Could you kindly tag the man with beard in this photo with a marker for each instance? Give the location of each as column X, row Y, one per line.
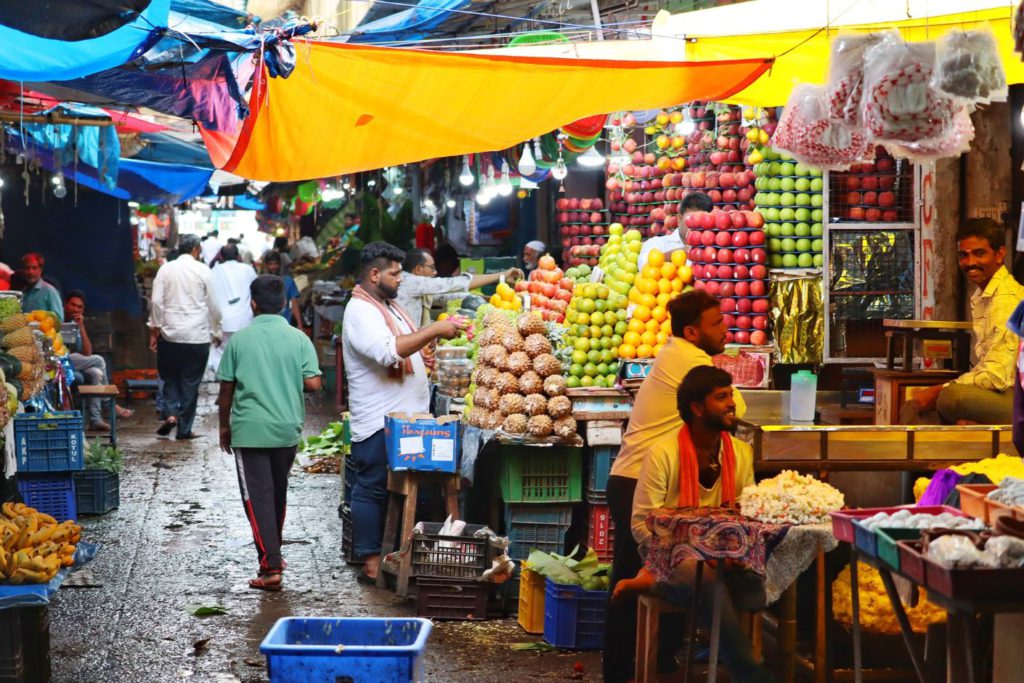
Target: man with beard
column 385, row 372
column 698, row 332
column 984, row 393
column 702, row 465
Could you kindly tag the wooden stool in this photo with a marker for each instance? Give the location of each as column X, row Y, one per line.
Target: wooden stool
column 100, row 390
column 406, row 484
column 649, row 611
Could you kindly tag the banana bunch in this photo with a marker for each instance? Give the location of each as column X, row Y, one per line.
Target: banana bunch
column 33, row 546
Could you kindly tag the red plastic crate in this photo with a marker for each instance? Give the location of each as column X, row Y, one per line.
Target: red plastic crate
column 601, row 532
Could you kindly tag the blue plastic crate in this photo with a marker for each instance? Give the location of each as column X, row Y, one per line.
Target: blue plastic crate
column 49, row 442
column 53, row 494
column 307, row 649
column 97, row 492
column 536, row 526
column 601, row 459
column 573, row 617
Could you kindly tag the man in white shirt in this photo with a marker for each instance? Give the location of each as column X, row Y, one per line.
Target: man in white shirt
column 210, row 247
column 698, row 202
column 183, row 320
column 231, row 279
column 385, row 373
column 421, row 285
column 698, row 332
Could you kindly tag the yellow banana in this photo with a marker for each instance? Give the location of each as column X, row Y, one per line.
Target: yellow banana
column 41, row 536
column 30, row 576
column 43, row 517
column 8, row 510
column 20, row 557
column 4, row 558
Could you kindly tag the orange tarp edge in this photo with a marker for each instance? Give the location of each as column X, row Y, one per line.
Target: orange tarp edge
column 349, row 108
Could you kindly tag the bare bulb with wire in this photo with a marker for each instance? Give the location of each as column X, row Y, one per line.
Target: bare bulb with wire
column 559, row 171
column 60, row 192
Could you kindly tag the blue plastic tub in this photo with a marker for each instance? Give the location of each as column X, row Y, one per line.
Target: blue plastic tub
column 601, row 459
column 360, row 650
column 49, row 442
column 573, row 617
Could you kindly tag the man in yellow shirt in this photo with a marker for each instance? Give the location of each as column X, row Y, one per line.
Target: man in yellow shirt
column 984, row 393
column 698, row 332
column 702, row 465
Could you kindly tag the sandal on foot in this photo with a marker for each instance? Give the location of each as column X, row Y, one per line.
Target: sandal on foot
column 167, row 427
column 365, row 579
column 267, row 580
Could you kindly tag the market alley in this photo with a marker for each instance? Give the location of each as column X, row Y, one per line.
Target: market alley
column 179, row 540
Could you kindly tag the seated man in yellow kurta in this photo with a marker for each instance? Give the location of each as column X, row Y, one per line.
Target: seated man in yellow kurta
column 701, row 466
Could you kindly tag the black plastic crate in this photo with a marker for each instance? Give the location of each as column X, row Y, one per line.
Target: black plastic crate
column 12, row 647
column 35, row 633
column 451, row 599
column 346, row 538
column 97, row 492
column 453, row 557
column 537, row 526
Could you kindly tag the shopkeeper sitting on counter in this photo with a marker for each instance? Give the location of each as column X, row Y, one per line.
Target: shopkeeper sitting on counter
column 698, row 202
column 385, row 372
column 701, row 465
column 984, row 394
column 698, row 332
column 420, row 284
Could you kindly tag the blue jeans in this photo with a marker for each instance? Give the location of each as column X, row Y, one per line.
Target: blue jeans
column 744, row 590
column 369, row 494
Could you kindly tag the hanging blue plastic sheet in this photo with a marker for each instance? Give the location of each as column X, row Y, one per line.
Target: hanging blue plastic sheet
column 30, row 57
column 408, row 24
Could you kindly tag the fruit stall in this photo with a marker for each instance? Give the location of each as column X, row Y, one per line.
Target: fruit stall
column 58, row 478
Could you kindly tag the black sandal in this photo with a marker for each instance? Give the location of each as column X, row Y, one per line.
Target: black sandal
column 365, row 579
column 167, row 427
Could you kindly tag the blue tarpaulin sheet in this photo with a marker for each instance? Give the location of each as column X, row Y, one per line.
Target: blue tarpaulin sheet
column 408, row 24
column 27, row 57
column 39, row 594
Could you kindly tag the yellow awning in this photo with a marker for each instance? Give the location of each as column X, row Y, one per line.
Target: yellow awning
column 802, row 56
column 349, row 108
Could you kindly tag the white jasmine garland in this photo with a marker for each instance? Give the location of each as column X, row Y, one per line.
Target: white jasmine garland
column 790, row 498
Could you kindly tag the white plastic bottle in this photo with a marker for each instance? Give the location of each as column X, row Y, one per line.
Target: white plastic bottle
column 803, row 396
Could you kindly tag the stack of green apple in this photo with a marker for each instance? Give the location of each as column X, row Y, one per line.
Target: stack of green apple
column 596, row 317
column 789, row 196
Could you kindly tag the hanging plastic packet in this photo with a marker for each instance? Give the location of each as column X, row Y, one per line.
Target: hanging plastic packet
column 968, row 67
column 845, row 87
column 899, row 104
column 953, row 144
column 806, row 132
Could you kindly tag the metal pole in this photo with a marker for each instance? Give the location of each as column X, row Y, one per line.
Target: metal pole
column 597, row 19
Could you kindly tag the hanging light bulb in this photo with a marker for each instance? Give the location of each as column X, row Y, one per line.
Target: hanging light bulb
column 466, row 177
column 60, row 192
column 57, row 178
column 559, row 170
column 685, row 127
column 372, row 182
column 591, row 158
column 20, row 159
column 505, row 186
column 1, row 182
column 491, row 186
column 483, row 197
column 527, row 164
column 450, row 203
column 398, row 190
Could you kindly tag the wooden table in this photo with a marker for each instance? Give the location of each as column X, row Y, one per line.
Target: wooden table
column 893, row 389
column 906, row 332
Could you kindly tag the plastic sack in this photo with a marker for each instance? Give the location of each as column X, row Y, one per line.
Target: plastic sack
column 954, row 143
column 954, row 550
column 811, row 137
column 899, row 104
column 968, row 67
column 845, row 86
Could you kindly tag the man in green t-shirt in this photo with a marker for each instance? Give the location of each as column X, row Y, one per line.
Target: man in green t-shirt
column 264, row 371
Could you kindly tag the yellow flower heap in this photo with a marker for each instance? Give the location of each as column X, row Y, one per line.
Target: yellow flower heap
column 876, row 613
column 996, row 469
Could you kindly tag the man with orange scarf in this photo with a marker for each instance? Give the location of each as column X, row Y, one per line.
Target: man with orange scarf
column 703, row 465
column 385, row 372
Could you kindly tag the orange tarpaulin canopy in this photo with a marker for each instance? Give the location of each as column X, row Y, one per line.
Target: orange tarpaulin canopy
column 349, row 108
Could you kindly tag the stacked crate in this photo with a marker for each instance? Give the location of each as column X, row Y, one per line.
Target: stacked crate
column 539, row 487
column 49, row 448
column 600, row 530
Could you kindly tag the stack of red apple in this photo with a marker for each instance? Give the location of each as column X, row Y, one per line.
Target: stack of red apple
column 549, row 289
column 869, row 192
column 645, row 192
column 728, row 251
column 583, row 227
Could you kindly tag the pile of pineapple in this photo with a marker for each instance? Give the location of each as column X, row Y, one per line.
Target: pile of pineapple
column 518, row 384
column 19, row 341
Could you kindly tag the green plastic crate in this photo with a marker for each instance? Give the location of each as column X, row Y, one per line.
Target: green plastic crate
column 541, row 475
column 887, row 537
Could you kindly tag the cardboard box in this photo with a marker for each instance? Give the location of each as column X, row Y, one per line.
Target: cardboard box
column 422, row 442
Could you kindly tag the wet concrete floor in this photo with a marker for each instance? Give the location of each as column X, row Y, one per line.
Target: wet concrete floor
column 180, row 539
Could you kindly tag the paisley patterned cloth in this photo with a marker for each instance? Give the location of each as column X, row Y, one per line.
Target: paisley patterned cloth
column 779, row 552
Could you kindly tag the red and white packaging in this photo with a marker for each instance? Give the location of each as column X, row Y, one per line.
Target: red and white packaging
column 899, row 104
column 953, row 144
column 812, row 137
column 845, row 86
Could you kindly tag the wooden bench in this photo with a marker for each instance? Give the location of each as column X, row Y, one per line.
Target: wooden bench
column 103, row 391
